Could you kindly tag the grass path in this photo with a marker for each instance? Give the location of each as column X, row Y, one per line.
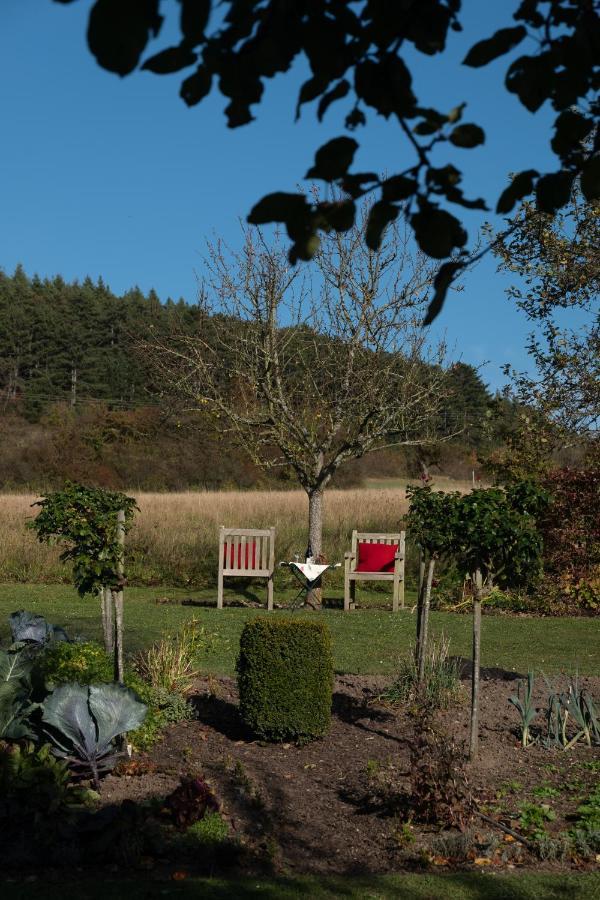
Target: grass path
column 366, row 641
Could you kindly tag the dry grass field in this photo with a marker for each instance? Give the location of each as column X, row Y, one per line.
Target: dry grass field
column 174, row 539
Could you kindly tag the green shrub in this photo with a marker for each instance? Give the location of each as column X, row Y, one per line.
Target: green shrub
column 32, row 781
column 85, row 663
column 285, row 678
column 164, row 708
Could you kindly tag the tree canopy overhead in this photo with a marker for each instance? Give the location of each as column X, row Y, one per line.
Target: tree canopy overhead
column 355, row 50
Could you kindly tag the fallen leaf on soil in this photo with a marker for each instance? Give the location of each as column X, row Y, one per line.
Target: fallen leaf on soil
column 310, row 766
column 179, row 876
column 508, row 839
column 482, row 861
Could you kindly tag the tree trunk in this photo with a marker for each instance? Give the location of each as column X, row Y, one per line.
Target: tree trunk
column 73, row 385
column 315, row 536
column 118, row 648
column 421, row 574
column 420, row 598
column 474, row 736
column 106, row 602
column 118, row 599
column 424, row 624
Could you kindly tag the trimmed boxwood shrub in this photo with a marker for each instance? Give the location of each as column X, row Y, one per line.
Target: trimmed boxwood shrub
column 285, row 678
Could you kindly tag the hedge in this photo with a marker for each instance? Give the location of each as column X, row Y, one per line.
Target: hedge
column 285, row 679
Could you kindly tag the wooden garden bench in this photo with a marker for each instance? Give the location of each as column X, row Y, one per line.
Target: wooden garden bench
column 246, row 553
column 366, row 562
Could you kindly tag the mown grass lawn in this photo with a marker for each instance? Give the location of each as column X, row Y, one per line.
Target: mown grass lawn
column 366, row 641
column 460, row 886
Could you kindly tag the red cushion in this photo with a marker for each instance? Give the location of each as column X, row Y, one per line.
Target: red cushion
column 376, row 557
column 249, row 556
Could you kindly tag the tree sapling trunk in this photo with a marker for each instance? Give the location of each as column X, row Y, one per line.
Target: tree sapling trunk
column 424, row 624
column 106, row 602
column 474, row 734
column 118, row 599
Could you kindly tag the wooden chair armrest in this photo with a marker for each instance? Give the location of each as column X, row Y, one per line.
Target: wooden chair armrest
column 349, row 555
column 399, row 556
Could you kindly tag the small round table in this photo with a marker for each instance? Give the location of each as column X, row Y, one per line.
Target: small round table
column 309, row 575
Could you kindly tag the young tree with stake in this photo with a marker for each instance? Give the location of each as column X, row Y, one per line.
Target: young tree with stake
column 92, row 523
column 432, row 525
column 496, row 539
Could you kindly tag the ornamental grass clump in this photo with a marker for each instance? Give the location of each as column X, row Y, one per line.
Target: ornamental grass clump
column 285, row 679
column 440, row 684
column 170, row 664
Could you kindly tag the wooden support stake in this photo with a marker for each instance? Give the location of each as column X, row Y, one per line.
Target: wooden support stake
column 118, row 598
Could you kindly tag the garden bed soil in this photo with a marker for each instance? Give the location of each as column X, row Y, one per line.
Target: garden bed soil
column 319, row 808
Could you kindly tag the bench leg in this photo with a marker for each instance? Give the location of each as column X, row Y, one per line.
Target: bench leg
column 270, row 593
column 220, row 590
column 347, row 592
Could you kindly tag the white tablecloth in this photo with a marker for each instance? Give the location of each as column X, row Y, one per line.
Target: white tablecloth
column 312, row 571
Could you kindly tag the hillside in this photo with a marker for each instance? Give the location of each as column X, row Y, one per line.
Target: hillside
column 80, row 400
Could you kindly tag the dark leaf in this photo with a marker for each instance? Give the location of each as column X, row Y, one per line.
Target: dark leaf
column 455, row 195
column 170, row 60
column 196, row 87
column 554, row 191
column 354, row 184
column 398, row 187
column 238, row 113
column 426, row 127
column 277, row 207
column 339, row 215
column 570, row 130
column 118, row 31
column 380, row 216
column 432, row 121
column 194, row 19
column 441, row 283
column 529, row 13
column 467, row 135
column 520, row 186
column 443, row 178
column 304, row 249
column 386, row 85
column 590, row 178
column 309, row 91
column 333, row 159
column 336, row 93
column 500, row 43
column 437, row 232
column 530, row 78
column 355, row 118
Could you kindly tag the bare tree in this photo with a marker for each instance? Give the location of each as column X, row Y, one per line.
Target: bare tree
column 309, row 368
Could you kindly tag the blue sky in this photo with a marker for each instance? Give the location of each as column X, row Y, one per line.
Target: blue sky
column 117, row 178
